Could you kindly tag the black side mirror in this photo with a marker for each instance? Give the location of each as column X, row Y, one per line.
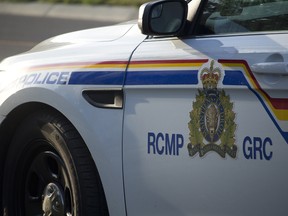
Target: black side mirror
column 162, row 18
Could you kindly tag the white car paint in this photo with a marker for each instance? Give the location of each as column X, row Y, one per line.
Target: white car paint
column 156, row 132
column 142, row 151
column 20, row 84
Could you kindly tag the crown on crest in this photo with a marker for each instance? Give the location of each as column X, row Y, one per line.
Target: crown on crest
column 210, row 76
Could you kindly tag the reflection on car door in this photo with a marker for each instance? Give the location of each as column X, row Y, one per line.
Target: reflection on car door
column 205, row 128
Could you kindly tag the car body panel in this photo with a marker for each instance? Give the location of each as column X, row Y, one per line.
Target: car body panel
column 50, row 76
column 203, row 128
column 164, row 90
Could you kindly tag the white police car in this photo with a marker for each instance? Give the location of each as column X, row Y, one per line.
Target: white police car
column 189, row 117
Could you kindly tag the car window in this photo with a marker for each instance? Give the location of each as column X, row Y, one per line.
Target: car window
column 236, row 16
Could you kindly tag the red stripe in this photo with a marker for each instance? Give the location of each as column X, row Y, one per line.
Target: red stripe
column 277, row 103
column 79, row 63
column 170, row 61
column 121, row 62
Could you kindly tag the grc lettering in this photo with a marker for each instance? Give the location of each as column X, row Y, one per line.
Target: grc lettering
column 257, row 148
column 164, row 143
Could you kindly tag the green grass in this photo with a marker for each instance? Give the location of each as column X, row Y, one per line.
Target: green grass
column 92, row 2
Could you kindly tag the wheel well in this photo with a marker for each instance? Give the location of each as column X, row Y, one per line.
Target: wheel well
column 12, row 120
column 8, row 128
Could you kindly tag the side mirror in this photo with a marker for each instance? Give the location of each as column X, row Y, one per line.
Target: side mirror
column 163, row 17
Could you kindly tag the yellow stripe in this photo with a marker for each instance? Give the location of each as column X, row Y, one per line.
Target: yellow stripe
column 279, row 113
column 93, row 66
column 165, row 65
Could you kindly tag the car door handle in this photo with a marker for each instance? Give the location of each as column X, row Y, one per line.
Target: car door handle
column 105, row 98
column 270, row 68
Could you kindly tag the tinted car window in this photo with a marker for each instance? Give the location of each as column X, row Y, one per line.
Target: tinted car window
column 234, row 16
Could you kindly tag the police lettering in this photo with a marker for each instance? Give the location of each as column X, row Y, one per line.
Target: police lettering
column 58, row 78
column 164, row 143
column 257, row 148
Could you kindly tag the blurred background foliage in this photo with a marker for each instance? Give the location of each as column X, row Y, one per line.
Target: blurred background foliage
column 139, row 2
column 92, row 2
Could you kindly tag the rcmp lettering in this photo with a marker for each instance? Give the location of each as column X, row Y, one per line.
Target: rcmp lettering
column 257, row 148
column 212, row 127
column 164, row 143
column 53, row 78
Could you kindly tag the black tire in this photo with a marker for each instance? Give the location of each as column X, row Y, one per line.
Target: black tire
column 49, row 169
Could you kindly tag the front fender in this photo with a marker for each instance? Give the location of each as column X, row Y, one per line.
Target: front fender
column 100, row 129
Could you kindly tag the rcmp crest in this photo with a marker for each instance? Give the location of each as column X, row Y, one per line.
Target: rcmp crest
column 212, row 126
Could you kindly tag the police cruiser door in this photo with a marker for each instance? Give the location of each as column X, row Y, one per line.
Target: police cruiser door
column 206, row 116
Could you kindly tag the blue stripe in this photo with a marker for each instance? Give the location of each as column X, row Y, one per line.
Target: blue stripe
column 135, row 78
column 284, row 134
column 96, row 78
column 238, row 78
column 179, row 77
column 234, row 78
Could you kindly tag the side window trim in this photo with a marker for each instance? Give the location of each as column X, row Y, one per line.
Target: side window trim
column 216, row 19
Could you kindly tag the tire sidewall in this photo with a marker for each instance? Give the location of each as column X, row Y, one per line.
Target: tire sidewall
column 38, row 127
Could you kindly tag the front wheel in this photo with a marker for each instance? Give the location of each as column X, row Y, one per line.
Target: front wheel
column 49, row 171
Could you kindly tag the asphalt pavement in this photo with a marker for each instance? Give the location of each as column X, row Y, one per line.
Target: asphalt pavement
column 23, row 25
column 67, row 11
